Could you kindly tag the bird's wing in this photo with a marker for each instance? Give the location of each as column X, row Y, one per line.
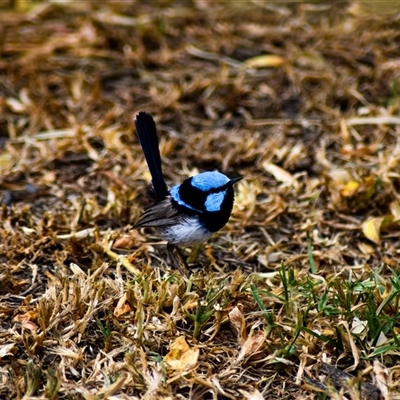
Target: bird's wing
column 160, row 214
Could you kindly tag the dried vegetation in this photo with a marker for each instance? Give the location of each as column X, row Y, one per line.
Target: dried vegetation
column 300, row 99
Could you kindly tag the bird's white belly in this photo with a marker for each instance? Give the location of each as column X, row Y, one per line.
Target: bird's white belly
column 186, row 233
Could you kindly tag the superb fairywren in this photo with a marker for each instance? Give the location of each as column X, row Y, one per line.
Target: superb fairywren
column 189, row 213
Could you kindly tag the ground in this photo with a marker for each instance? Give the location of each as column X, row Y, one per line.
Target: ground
column 301, row 99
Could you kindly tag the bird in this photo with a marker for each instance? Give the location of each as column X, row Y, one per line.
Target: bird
column 190, row 212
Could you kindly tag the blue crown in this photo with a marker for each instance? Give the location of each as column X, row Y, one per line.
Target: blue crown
column 206, row 181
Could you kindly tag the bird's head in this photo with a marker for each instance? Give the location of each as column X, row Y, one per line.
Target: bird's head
column 205, row 192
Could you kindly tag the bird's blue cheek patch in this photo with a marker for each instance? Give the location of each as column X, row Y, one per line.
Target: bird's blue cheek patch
column 214, row 201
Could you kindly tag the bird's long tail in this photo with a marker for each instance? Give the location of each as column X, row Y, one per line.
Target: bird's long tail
column 147, row 133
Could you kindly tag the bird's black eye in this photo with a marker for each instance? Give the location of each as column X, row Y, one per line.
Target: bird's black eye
column 191, row 195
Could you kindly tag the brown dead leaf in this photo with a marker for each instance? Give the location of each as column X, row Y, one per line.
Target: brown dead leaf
column 180, row 356
column 310, row 59
column 123, row 306
column 252, row 345
column 381, row 378
column 6, row 160
column 16, row 105
column 353, row 193
column 350, row 189
column 255, row 395
column 371, row 228
column 279, row 173
column 366, row 248
column 238, row 322
column 395, row 209
column 340, row 176
column 124, row 242
column 26, row 320
column 5, row 349
column 360, row 151
column 265, row 61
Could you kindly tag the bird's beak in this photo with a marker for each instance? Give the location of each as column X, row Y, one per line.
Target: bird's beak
column 234, row 180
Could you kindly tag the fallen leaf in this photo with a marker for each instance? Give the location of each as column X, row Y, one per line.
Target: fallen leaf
column 395, row 209
column 310, row 59
column 328, row 332
column 382, row 339
column 265, row 61
column 381, row 378
column 124, row 242
column 238, row 322
column 6, row 160
column 256, row 395
column 371, row 228
column 350, row 189
column 366, row 248
column 16, row 105
column 5, row 349
column 340, row 175
column 26, row 320
column 296, row 154
column 180, row 356
column 358, row 326
column 278, row 173
column 123, row 306
column 252, row 344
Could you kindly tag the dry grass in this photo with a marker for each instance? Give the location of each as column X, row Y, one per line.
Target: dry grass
column 304, row 280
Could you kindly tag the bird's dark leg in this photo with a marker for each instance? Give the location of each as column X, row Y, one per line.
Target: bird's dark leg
column 170, row 250
column 182, row 257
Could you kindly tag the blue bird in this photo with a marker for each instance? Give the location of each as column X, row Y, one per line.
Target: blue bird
column 189, row 213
